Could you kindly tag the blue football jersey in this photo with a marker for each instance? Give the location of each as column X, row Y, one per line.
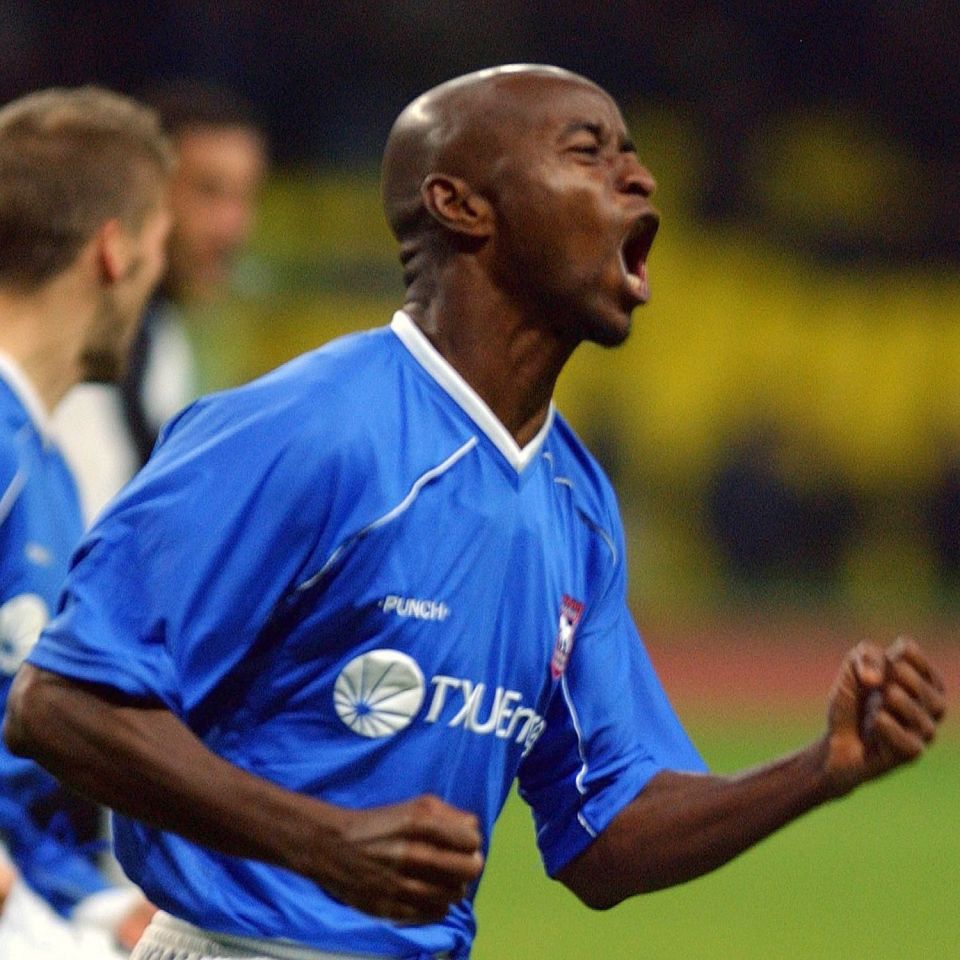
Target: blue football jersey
column 346, row 577
column 43, row 826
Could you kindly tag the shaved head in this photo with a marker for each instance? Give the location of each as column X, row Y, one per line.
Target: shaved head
column 459, row 128
column 518, row 188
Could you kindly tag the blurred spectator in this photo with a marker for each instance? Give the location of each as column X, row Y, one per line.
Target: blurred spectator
column 84, row 221
column 107, row 433
column 775, row 532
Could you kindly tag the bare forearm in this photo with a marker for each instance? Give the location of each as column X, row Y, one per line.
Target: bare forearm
column 142, row 762
column 884, row 710
column 407, row 861
column 685, row 825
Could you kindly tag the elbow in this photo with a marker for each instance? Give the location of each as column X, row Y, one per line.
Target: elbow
column 596, row 898
column 598, row 895
column 25, row 723
column 597, row 889
column 602, row 877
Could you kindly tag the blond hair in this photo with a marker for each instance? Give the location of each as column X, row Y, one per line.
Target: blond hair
column 70, row 160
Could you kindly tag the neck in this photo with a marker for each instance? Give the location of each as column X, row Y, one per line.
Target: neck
column 511, row 361
column 42, row 332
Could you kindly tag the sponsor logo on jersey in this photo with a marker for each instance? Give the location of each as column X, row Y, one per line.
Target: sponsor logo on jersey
column 500, row 713
column 381, row 692
column 38, row 554
column 570, row 612
column 21, row 620
column 412, row 607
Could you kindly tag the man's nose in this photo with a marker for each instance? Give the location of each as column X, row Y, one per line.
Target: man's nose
column 636, row 178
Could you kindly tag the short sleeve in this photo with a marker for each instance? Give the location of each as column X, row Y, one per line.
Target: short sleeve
column 172, row 587
column 610, row 727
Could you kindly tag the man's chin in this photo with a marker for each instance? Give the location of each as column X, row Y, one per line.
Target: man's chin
column 610, row 332
column 101, row 369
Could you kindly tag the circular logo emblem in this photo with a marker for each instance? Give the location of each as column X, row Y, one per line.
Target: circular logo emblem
column 379, row 693
column 21, row 620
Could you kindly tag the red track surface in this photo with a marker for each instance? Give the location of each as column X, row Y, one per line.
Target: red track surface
column 765, row 665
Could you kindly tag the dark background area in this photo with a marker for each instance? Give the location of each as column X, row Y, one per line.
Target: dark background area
column 328, row 78
column 784, row 425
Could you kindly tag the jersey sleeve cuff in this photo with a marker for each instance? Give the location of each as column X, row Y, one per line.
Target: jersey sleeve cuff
column 561, row 841
column 61, row 658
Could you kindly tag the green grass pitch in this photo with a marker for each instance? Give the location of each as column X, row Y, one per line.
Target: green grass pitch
column 874, row 876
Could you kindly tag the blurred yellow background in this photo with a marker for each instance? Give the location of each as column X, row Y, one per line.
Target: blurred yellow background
column 856, row 366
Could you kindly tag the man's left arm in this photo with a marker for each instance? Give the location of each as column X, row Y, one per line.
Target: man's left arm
column 884, row 711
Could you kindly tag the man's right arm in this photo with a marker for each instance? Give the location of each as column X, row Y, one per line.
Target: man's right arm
column 406, row 861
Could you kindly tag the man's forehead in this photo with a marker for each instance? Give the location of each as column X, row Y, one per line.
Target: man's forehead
column 539, row 101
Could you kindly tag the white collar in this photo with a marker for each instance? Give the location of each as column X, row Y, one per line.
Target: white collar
column 424, row 352
column 24, row 390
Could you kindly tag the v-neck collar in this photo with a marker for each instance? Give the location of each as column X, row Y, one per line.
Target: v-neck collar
column 23, row 389
column 424, row 352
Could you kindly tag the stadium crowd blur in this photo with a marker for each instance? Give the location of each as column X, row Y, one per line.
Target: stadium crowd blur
column 801, row 354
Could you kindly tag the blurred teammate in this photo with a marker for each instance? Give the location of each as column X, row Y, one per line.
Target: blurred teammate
column 311, row 646
column 106, row 431
column 83, row 229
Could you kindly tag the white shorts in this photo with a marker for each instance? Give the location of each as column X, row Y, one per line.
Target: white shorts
column 167, row 938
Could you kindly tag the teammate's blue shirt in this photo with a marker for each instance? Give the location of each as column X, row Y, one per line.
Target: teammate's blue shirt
column 40, row 526
column 346, row 577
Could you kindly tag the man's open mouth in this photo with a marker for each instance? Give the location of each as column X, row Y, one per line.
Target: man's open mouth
column 634, row 251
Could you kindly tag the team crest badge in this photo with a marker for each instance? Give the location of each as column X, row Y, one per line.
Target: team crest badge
column 570, row 611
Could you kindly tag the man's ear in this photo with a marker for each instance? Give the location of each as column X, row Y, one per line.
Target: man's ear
column 454, row 204
column 112, row 250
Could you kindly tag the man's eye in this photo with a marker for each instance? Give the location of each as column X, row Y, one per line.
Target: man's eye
column 587, row 149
